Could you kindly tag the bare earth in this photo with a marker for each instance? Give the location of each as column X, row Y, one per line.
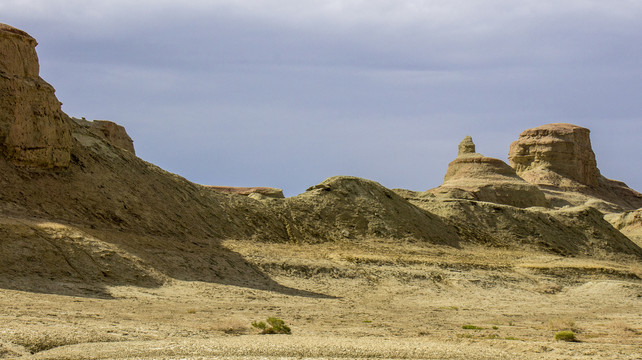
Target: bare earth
column 357, row 299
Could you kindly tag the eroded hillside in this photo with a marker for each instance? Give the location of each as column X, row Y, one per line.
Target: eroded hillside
column 83, row 218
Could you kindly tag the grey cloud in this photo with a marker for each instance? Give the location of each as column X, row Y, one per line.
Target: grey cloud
column 287, row 93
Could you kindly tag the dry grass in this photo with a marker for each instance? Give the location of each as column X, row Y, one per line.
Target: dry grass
column 561, row 324
column 348, row 299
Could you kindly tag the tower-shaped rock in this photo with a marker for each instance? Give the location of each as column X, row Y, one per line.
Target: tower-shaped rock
column 477, row 177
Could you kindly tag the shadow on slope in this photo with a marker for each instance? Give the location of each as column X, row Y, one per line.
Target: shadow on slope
column 113, row 219
column 577, row 231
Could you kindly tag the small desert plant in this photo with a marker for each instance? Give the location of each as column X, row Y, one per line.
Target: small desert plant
column 472, row 327
column 273, row 326
column 566, row 335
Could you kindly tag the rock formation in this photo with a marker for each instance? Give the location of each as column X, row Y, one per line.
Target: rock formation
column 111, row 218
column 557, row 155
column 247, row 191
column 560, row 160
column 110, row 131
column 476, row 177
column 34, row 131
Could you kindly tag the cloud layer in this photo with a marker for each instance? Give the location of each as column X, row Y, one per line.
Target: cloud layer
column 286, row 93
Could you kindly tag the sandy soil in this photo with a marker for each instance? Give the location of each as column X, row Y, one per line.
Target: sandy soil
column 350, row 300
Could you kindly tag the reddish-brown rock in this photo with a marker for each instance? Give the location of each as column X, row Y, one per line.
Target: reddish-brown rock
column 34, row 131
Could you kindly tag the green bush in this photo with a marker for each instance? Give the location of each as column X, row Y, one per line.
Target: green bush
column 273, row 326
column 472, row 327
column 565, row 336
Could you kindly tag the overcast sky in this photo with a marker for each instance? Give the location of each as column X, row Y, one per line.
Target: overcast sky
column 286, row 93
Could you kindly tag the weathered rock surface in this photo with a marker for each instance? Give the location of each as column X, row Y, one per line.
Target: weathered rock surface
column 346, row 207
column 34, row 131
column 629, row 223
column 560, row 160
column 110, row 131
column 579, row 230
column 247, row 191
column 476, row 177
column 555, row 155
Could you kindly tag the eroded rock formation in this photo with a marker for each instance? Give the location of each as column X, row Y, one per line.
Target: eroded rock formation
column 247, row 191
column 559, row 159
column 476, row 177
column 556, row 155
column 34, row 131
column 110, row 131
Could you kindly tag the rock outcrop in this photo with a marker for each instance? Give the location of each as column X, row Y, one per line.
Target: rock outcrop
column 559, row 159
column 110, row 131
column 34, row 131
column 476, row 177
column 557, row 155
column 247, row 191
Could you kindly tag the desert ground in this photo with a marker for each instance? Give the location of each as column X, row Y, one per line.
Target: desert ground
column 365, row 299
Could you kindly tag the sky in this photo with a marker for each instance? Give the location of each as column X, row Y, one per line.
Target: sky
column 286, row 93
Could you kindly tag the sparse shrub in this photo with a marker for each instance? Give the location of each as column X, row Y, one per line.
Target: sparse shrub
column 495, row 327
column 273, row 326
column 566, row 335
column 472, row 327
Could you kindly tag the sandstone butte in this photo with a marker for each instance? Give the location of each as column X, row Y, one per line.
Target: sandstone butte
column 477, row 177
column 559, row 159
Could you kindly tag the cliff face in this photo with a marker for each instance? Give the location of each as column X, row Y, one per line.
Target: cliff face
column 34, row 131
column 560, row 160
column 556, row 155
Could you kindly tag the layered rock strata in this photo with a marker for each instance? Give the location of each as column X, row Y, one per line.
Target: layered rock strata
column 476, row 177
column 557, row 155
column 34, row 131
column 559, row 159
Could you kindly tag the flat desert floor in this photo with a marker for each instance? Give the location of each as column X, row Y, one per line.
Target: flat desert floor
column 359, row 299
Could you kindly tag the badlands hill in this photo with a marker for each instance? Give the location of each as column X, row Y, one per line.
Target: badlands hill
column 83, row 178
column 81, row 215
